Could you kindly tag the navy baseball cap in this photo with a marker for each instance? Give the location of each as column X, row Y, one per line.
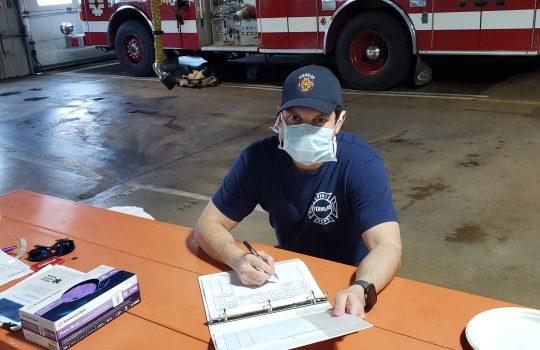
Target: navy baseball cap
column 311, row 86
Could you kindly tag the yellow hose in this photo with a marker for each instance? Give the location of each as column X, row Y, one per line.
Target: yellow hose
column 158, row 42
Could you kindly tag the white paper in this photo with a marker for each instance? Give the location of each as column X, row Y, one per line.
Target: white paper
column 11, row 268
column 33, row 289
column 264, row 336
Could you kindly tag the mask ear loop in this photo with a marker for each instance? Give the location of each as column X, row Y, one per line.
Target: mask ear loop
column 275, row 128
column 278, row 128
column 340, row 119
column 334, row 143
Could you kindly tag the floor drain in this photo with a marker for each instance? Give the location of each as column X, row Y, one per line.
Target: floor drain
column 10, row 93
column 35, row 98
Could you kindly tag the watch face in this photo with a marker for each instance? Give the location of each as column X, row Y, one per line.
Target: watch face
column 371, row 296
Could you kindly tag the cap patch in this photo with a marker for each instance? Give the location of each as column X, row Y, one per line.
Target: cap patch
column 306, row 82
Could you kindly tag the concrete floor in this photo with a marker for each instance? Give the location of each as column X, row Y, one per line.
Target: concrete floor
column 462, row 154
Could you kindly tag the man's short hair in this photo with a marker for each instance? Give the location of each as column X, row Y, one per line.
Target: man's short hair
column 338, row 110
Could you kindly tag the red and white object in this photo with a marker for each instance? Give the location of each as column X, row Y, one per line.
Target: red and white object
column 74, row 40
column 375, row 43
column 54, row 260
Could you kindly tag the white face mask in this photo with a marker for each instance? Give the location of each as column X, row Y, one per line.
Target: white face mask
column 307, row 144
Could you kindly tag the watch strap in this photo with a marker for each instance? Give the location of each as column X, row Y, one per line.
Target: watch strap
column 364, row 284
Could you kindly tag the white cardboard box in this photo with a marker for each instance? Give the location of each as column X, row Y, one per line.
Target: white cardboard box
column 69, row 313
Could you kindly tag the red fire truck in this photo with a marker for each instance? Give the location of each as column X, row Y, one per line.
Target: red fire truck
column 376, row 43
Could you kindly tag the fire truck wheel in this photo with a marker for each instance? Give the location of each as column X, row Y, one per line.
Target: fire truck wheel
column 373, row 51
column 134, row 48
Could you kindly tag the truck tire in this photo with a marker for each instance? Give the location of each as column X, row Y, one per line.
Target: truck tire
column 373, row 51
column 134, row 48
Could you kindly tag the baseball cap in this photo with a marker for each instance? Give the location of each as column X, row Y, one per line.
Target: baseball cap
column 311, row 86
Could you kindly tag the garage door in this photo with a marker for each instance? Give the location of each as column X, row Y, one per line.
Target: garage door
column 13, row 51
column 43, row 18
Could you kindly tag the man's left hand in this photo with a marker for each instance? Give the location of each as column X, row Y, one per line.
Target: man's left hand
column 350, row 301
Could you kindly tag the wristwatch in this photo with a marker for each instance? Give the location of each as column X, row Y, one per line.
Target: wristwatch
column 370, row 294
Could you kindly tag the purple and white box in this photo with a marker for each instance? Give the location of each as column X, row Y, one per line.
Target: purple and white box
column 88, row 303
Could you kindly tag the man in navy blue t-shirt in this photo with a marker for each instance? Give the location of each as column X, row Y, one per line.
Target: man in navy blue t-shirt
column 326, row 193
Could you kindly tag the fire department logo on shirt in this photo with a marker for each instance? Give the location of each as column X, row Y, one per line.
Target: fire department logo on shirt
column 97, row 7
column 306, row 82
column 323, row 210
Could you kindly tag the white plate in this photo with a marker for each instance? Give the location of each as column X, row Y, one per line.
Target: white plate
column 505, row 328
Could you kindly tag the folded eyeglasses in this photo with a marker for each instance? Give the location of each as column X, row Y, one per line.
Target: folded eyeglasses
column 61, row 247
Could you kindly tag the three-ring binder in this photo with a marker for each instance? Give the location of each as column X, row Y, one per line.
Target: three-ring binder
column 268, row 308
column 287, row 314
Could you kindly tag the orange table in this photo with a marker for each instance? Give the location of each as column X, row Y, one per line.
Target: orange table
column 409, row 314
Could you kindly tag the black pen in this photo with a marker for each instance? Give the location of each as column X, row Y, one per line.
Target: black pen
column 254, row 252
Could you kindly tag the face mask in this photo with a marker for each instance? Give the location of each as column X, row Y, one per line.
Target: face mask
column 308, row 144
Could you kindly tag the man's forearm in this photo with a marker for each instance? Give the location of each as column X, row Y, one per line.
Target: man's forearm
column 380, row 265
column 217, row 242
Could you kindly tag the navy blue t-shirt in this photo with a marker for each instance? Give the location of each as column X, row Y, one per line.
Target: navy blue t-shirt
column 322, row 213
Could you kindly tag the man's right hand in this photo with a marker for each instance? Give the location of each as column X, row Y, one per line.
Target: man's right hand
column 213, row 234
column 254, row 271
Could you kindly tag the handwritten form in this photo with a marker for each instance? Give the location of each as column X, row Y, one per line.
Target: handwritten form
column 225, row 292
column 223, row 295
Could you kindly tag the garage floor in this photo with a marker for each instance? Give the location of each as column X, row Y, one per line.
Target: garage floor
column 462, row 154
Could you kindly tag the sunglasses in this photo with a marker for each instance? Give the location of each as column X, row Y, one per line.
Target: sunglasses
column 61, row 247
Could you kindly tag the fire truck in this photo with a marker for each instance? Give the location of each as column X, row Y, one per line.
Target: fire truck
column 376, row 44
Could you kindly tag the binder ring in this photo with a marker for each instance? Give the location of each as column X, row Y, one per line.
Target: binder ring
column 268, row 306
column 223, row 316
column 312, row 297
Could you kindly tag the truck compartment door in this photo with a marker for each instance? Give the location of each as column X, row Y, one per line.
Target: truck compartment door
column 302, row 19
column 456, row 25
column 508, row 25
column 272, row 24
